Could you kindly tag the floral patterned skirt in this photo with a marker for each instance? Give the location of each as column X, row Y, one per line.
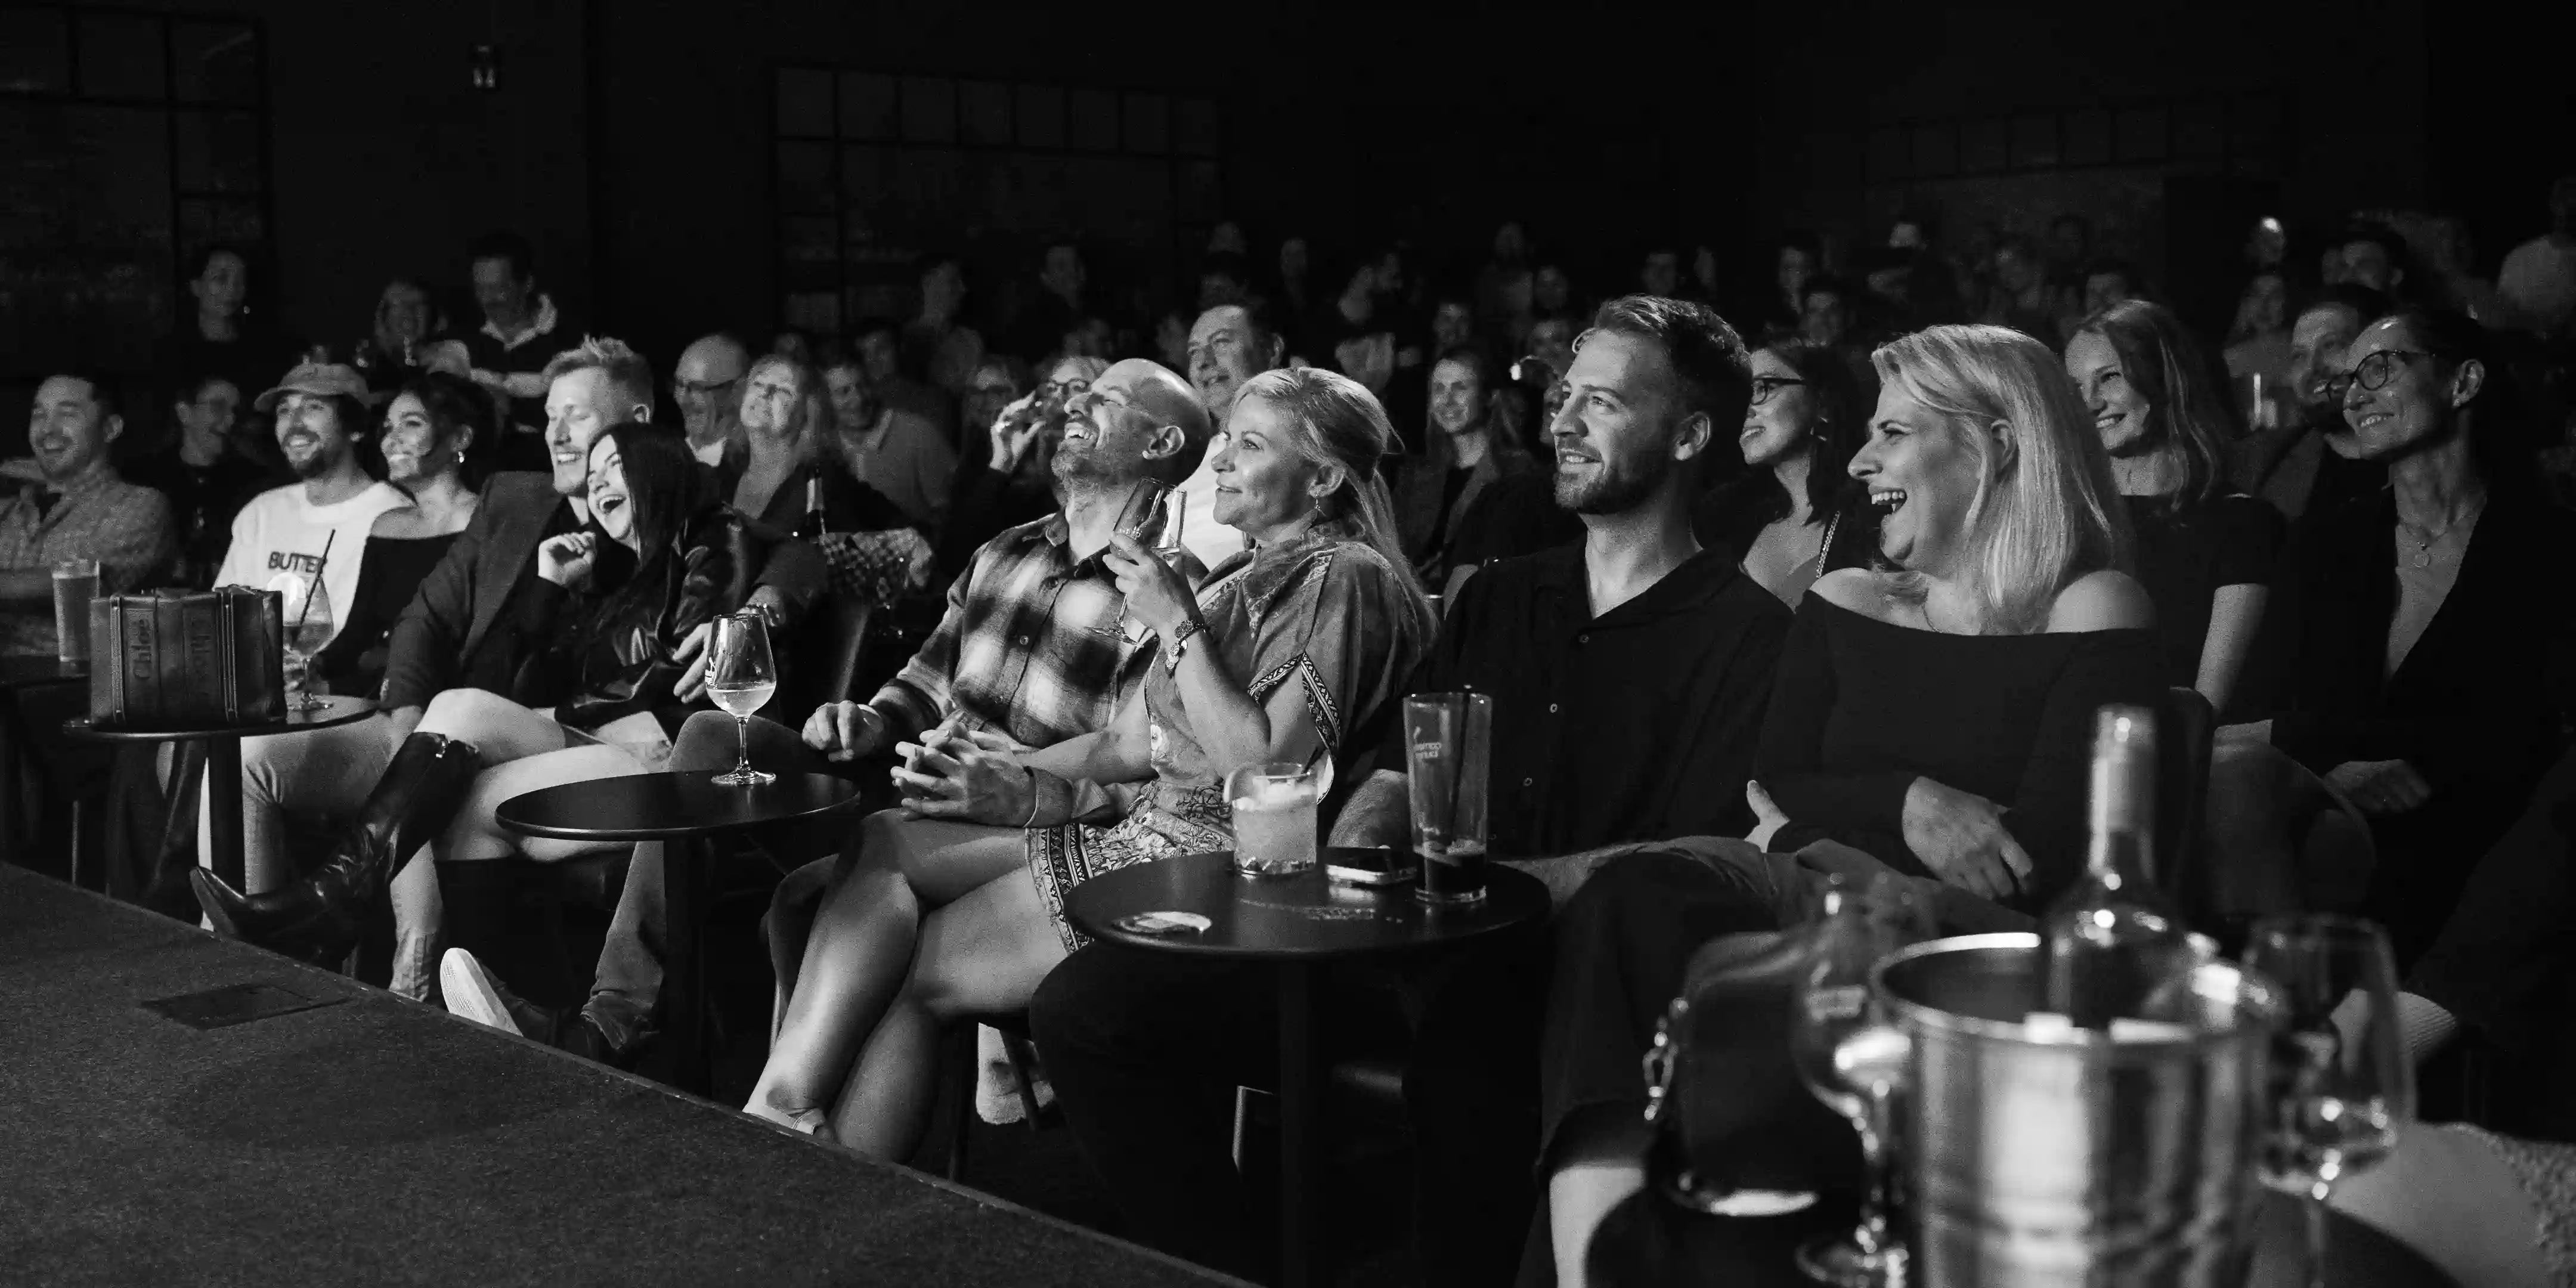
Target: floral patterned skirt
column 1065, row 856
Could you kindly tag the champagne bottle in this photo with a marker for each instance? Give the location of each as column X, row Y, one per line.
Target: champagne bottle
column 2113, row 942
column 812, row 527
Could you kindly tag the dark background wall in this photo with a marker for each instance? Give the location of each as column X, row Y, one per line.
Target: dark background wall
column 630, row 139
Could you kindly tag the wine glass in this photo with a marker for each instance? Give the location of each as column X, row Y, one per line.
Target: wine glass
column 306, row 603
column 1851, row 1059
column 2340, row 1092
column 740, row 679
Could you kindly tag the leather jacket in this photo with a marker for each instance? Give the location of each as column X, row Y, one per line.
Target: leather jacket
column 631, row 665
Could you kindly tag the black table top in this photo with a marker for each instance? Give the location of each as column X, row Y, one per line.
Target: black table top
column 29, row 670
column 668, row 806
column 335, row 710
column 1292, row 918
column 1649, row 1242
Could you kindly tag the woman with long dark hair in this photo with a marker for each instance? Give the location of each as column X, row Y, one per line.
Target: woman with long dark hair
column 1291, row 651
column 2204, row 551
column 1787, row 520
column 600, row 627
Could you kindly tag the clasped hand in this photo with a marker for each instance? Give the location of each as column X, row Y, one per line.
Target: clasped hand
column 1156, row 595
column 1962, row 838
column 966, row 777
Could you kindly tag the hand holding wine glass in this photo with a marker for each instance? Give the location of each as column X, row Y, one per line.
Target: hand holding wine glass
column 741, row 679
column 2338, row 1099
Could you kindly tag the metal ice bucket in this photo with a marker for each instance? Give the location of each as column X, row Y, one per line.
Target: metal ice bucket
column 2071, row 1158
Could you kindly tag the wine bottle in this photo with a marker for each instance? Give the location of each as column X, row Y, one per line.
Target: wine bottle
column 812, row 527
column 2113, row 942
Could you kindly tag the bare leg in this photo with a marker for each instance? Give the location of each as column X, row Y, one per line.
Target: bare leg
column 1601, row 1160
column 984, row 953
column 861, row 950
column 475, row 836
column 2450, row 1196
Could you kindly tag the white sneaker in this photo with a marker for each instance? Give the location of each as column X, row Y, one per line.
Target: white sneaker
column 469, row 992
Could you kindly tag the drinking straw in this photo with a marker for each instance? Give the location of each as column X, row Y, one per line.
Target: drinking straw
column 320, row 563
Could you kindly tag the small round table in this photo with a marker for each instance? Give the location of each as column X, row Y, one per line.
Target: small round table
column 1299, row 924
column 223, row 764
column 686, row 806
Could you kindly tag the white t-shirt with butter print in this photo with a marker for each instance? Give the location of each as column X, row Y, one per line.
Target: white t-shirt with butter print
column 281, row 531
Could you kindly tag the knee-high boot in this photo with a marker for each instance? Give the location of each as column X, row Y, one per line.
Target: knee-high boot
column 318, row 917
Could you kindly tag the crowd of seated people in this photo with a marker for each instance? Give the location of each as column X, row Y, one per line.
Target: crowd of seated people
column 1839, row 593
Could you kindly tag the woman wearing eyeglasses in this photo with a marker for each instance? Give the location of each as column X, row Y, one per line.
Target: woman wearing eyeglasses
column 2418, row 666
column 1787, row 520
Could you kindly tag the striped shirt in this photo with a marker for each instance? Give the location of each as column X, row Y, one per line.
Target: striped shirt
column 1033, row 645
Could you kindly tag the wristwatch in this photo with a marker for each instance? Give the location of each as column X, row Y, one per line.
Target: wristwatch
column 1180, row 644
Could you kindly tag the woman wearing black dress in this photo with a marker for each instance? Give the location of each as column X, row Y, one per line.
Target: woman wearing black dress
column 1933, row 719
column 429, row 426
column 2204, row 552
column 2421, row 669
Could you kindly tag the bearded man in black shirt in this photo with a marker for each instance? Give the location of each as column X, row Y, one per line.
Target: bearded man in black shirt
column 1629, row 676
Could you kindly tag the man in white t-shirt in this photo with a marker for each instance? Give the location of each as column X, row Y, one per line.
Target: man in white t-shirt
column 2539, row 277
column 1230, row 344
column 321, row 411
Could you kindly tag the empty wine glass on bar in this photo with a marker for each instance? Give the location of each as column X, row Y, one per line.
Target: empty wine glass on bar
column 1852, row 1060
column 2341, row 1083
column 740, row 679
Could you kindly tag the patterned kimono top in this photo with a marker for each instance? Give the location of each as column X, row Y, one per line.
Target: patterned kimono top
column 1324, row 613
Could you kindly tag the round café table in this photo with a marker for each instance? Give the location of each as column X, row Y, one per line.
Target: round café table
column 1298, row 924
column 686, row 806
column 223, row 763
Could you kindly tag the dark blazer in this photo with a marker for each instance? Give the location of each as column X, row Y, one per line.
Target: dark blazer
column 462, row 597
column 2475, row 707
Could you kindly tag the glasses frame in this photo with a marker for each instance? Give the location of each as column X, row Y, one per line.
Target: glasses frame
column 1766, row 388
column 2386, row 370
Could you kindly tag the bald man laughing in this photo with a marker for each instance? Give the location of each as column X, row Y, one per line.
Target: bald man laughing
column 1034, row 648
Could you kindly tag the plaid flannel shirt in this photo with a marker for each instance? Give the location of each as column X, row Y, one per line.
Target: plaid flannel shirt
column 125, row 527
column 1033, row 645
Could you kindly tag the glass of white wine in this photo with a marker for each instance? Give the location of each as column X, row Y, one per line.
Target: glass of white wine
column 740, row 679
column 306, row 604
column 2340, row 1091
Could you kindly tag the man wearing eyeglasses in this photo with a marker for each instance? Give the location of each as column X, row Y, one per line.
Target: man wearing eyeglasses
column 707, row 384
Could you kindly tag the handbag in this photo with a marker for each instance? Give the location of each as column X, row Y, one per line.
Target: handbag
column 176, row 659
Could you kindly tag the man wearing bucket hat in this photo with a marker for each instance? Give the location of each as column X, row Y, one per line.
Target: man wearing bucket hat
column 320, row 415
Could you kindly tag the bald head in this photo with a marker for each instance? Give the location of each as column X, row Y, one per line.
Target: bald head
column 1138, row 420
column 708, row 384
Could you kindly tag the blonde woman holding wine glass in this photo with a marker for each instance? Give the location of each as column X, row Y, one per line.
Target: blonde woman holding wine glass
column 953, row 905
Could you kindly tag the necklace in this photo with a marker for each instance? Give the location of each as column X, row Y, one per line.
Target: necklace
column 2423, row 557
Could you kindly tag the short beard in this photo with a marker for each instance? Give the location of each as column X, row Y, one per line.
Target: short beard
column 1617, row 490
column 312, row 467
